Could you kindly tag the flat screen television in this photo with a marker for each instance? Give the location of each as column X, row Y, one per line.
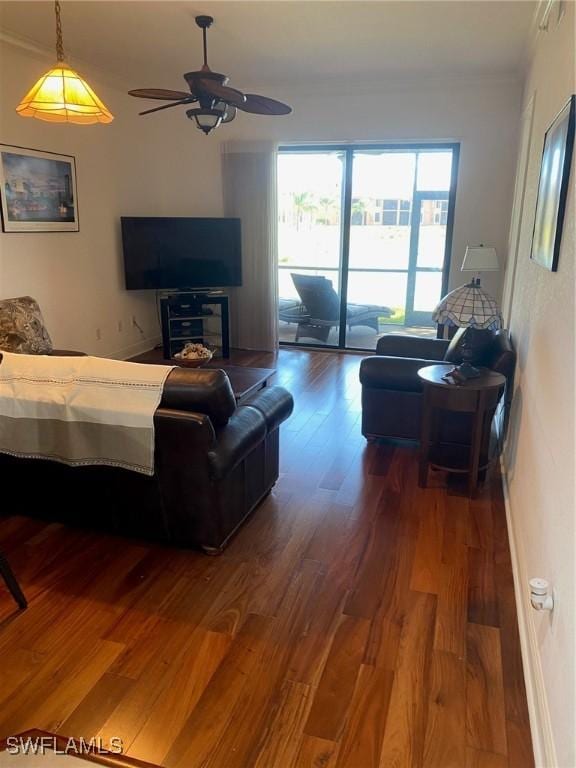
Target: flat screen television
column 181, row 253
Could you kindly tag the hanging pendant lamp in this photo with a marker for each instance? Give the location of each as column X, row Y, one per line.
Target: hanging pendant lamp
column 61, row 95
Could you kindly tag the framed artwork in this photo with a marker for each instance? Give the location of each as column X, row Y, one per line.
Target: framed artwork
column 37, row 190
column 553, row 187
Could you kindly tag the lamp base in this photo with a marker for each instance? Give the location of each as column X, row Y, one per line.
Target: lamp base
column 467, row 371
column 461, row 373
column 473, row 345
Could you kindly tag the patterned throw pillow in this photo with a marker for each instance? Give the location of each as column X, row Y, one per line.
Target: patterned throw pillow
column 22, row 327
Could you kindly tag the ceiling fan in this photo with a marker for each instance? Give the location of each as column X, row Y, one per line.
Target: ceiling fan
column 218, row 102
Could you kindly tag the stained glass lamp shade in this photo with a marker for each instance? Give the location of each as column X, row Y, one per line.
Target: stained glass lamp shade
column 469, row 307
column 61, row 95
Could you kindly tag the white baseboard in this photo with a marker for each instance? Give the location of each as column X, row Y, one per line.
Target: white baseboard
column 540, row 721
column 134, row 349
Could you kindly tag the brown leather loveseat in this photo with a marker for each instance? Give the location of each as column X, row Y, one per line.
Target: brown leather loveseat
column 392, row 390
column 214, row 462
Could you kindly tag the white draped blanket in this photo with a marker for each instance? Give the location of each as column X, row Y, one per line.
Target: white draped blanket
column 80, row 410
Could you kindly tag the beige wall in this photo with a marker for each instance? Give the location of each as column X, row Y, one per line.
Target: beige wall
column 130, row 167
column 163, row 165
column 482, row 115
column 540, row 456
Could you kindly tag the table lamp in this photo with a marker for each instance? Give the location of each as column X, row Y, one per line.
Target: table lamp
column 480, row 258
column 470, row 308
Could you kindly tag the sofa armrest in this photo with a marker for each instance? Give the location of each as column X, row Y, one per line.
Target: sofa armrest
column 274, row 403
column 397, row 345
column 245, row 430
column 200, row 390
column 399, row 373
column 182, row 442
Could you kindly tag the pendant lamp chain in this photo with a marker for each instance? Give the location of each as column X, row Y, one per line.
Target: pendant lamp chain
column 59, row 43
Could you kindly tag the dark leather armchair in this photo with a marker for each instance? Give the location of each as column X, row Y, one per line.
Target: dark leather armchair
column 392, row 390
column 214, row 462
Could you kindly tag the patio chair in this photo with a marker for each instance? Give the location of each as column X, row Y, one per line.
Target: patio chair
column 292, row 311
column 323, row 309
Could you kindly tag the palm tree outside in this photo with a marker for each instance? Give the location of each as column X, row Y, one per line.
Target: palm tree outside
column 303, row 203
column 327, row 205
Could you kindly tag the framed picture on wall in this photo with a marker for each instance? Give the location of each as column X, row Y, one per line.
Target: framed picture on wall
column 38, row 191
column 553, row 187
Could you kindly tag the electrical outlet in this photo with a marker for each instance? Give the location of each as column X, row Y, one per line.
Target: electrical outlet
column 98, row 334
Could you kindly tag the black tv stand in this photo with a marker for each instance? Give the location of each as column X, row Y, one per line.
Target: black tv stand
column 200, row 291
column 198, row 317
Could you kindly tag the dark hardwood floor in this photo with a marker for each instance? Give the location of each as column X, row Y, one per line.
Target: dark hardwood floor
column 356, row 621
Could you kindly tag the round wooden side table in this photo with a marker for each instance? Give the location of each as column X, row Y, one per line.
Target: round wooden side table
column 477, row 396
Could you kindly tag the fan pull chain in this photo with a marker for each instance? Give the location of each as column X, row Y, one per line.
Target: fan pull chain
column 59, row 43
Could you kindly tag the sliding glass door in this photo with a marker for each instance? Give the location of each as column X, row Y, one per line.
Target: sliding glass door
column 364, row 241
column 310, row 193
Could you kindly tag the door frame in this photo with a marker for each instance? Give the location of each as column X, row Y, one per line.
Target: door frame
column 348, row 150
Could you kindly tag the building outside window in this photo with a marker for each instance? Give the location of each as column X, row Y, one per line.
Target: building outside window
column 396, row 213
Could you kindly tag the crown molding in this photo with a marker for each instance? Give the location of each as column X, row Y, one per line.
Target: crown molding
column 547, row 16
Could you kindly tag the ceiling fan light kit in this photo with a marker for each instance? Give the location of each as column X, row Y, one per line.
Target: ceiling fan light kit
column 218, row 103
column 61, row 95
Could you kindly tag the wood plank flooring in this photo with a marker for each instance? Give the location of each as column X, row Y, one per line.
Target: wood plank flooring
column 356, row 621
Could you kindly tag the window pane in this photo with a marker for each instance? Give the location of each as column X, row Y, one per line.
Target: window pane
column 309, row 221
column 382, row 183
column 383, row 290
column 309, row 194
column 434, row 170
column 367, row 323
column 428, row 290
column 431, row 235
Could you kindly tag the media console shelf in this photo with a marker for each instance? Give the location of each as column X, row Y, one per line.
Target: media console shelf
column 196, row 317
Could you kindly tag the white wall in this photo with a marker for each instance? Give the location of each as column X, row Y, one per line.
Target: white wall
column 540, row 455
column 130, row 167
column 482, row 115
column 163, row 165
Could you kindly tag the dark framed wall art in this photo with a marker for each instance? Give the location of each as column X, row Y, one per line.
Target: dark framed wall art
column 553, row 187
column 37, row 190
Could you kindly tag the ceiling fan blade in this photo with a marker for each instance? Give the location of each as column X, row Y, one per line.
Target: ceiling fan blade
column 262, row 105
column 189, row 100
column 223, row 92
column 159, row 93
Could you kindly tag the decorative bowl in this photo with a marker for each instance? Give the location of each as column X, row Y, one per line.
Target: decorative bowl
column 192, row 362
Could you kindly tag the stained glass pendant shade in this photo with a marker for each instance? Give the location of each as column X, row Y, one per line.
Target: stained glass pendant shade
column 61, row 95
